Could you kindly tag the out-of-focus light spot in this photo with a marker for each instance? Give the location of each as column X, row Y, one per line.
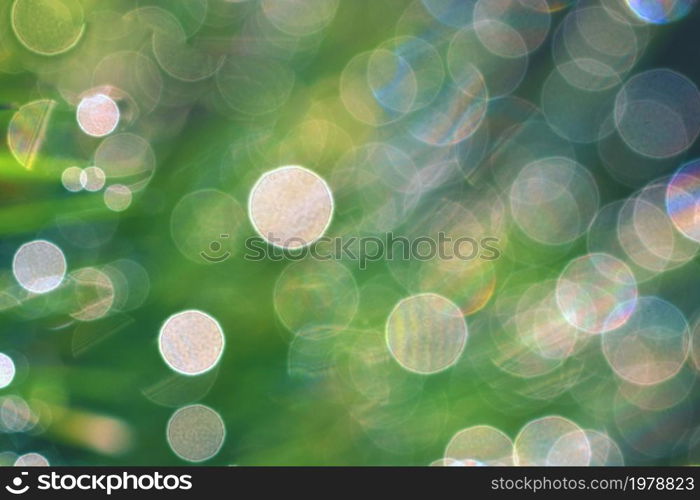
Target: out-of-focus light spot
column 97, row 115
column 445, row 462
column 457, row 113
column 312, row 293
column 117, row 197
column 541, row 326
column 48, row 27
column 412, row 60
column 7, row 370
column 16, row 415
column 659, row 397
column 31, row 460
column 300, row 17
column 39, row 266
column 483, row 444
column 596, row 293
column 132, row 76
column 660, row 11
column 657, row 113
column 683, row 200
column 576, row 114
column 531, row 338
column 311, row 351
column 131, row 284
column 573, row 447
column 290, row 207
column 525, row 138
column 652, row 346
column 455, row 13
column 653, row 433
column 552, row 441
column 254, row 85
column 70, row 178
column 195, row 433
column 27, row 131
column 469, row 284
column 450, row 462
column 695, row 345
column 594, row 48
column 94, row 294
column 426, row 333
column 127, row 159
column 176, row 390
column 177, row 57
column 503, row 25
column 604, row 451
column 647, row 234
column 315, row 143
column 84, row 232
column 92, row 179
column 392, row 80
column 205, row 225
column 553, row 200
column 191, row 342
column 501, row 75
column 381, row 180
column 373, row 106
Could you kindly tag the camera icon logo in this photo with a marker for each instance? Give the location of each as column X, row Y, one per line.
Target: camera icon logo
column 17, row 488
column 219, row 254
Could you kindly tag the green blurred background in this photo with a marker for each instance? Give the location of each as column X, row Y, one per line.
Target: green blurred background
column 324, row 407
